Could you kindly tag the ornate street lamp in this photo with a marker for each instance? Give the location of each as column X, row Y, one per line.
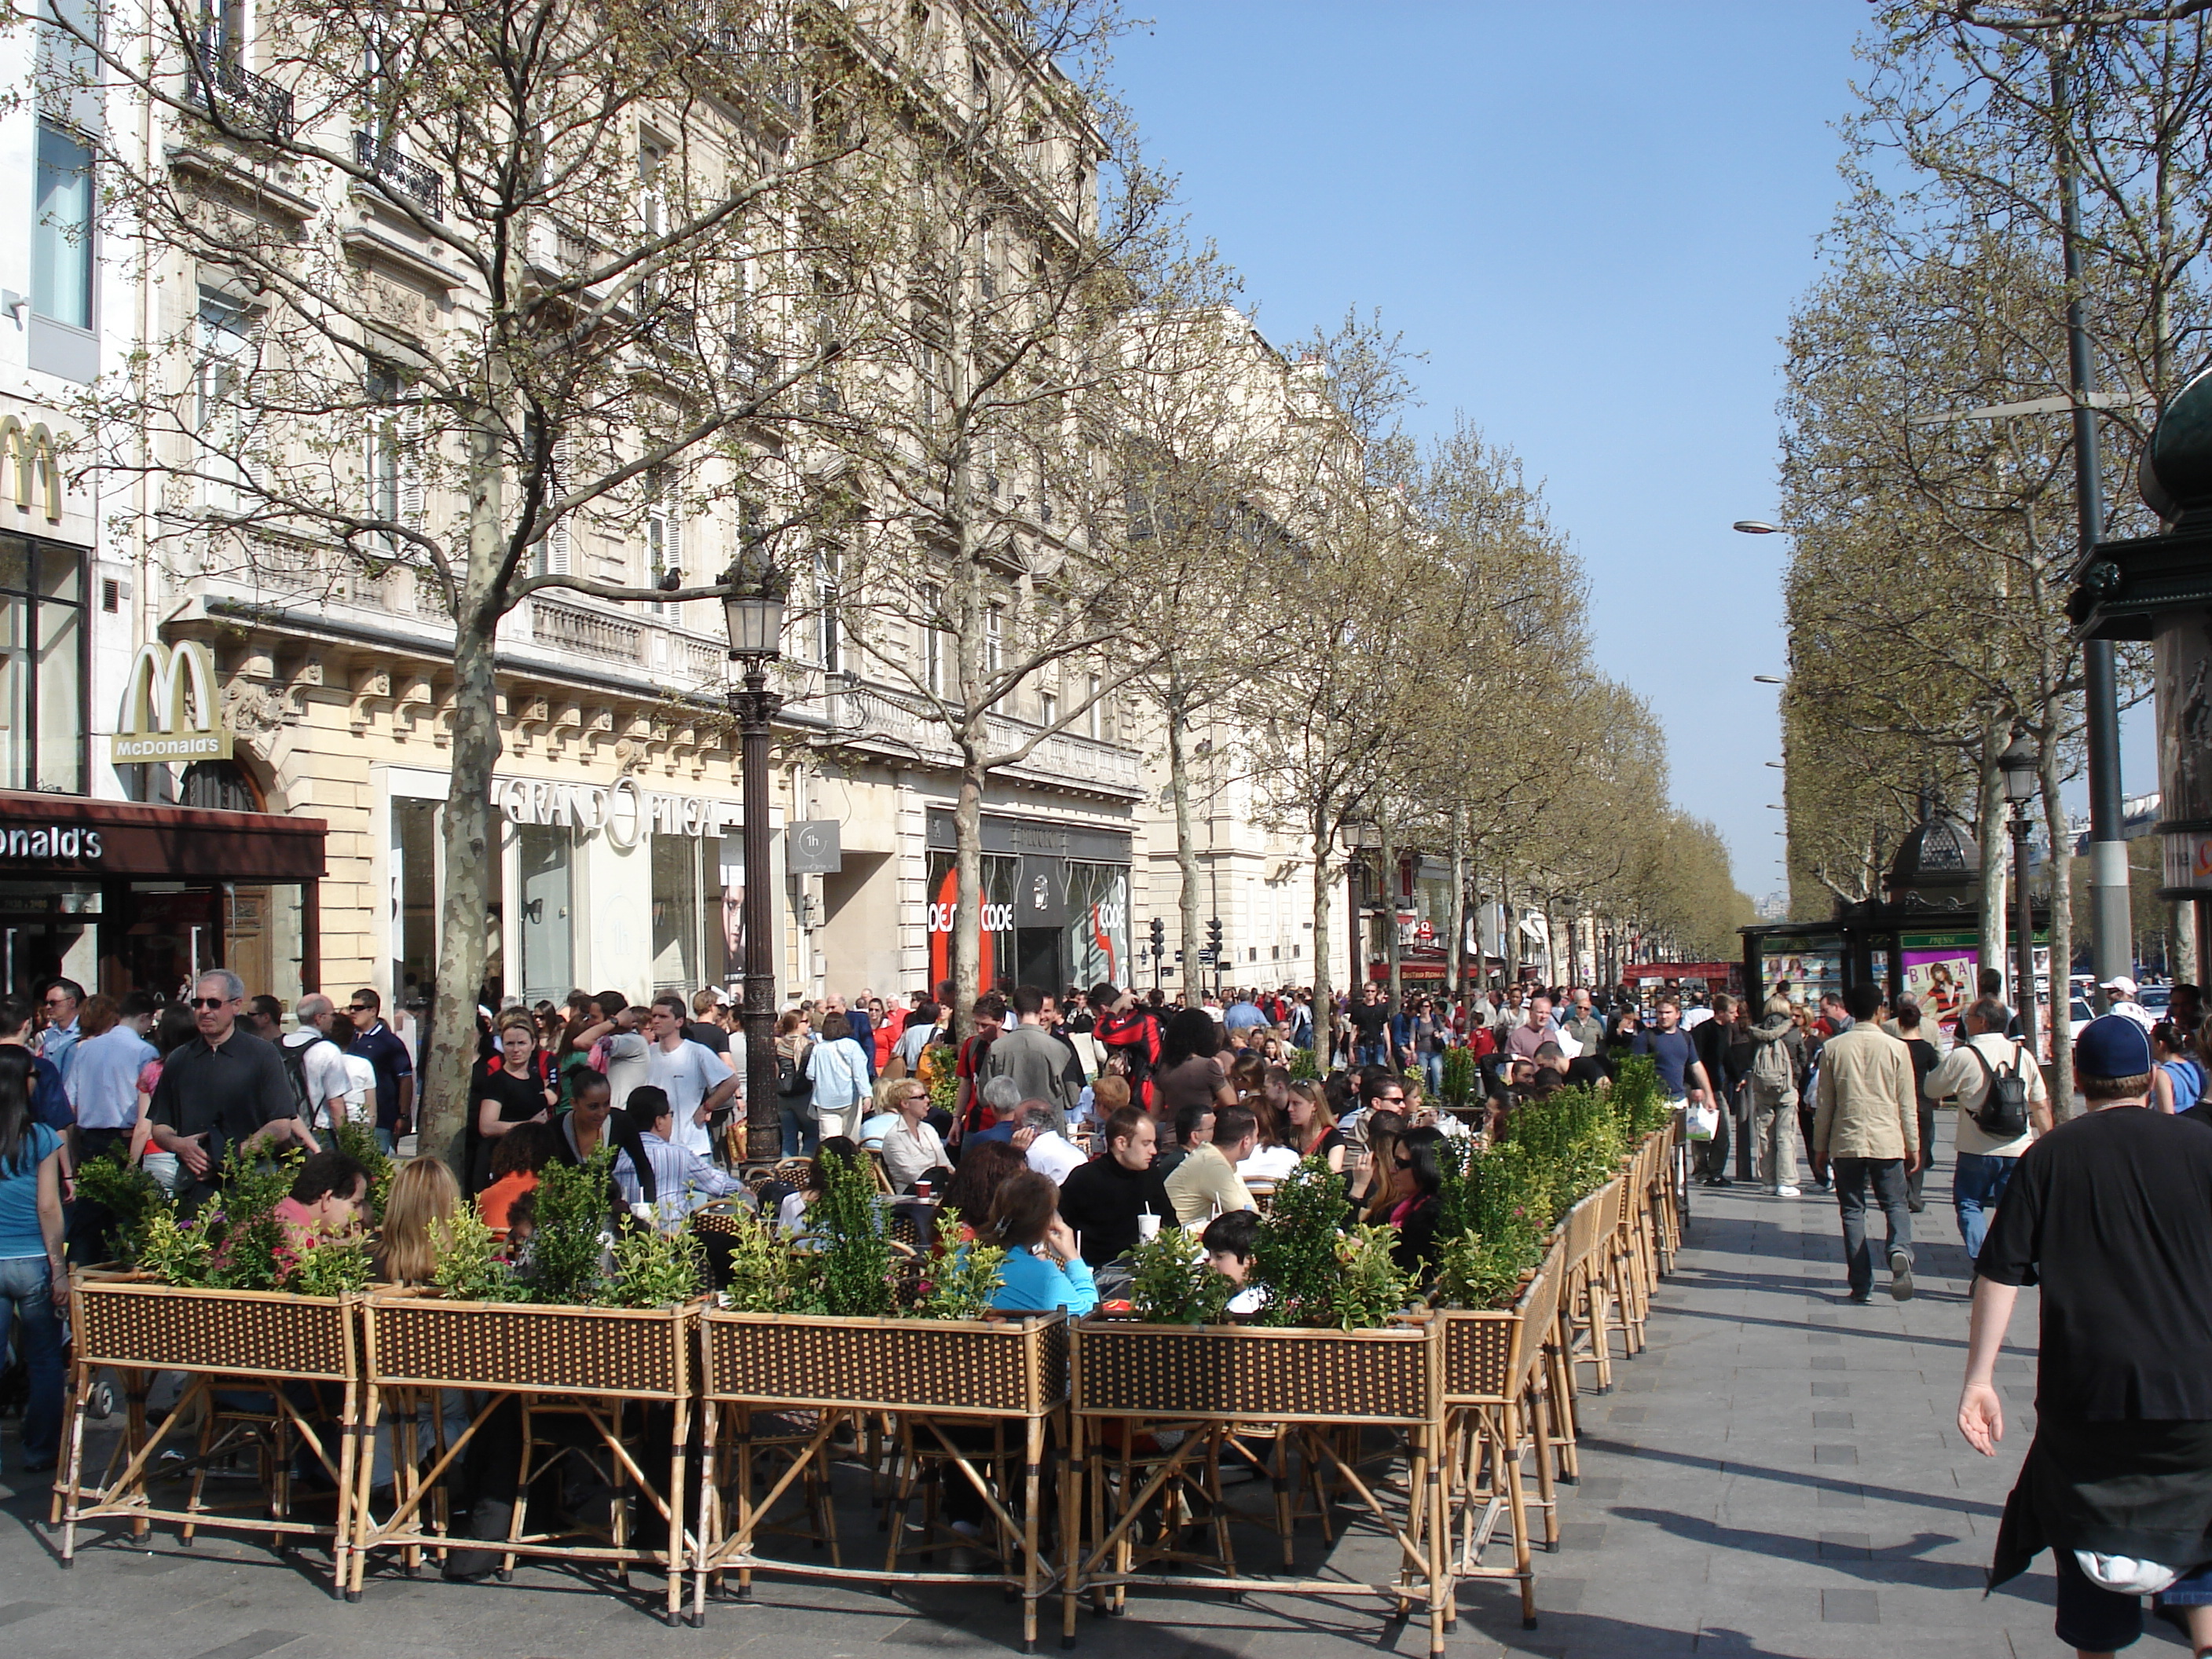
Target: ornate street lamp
column 2018, row 764
column 754, row 591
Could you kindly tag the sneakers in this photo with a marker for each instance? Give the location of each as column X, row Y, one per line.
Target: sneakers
column 1859, row 1298
column 1786, row 1191
column 1900, row 1275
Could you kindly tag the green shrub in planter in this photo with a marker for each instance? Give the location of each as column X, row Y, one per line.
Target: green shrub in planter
column 126, row 1192
column 1173, row 1284
column 1312, row 1271
column 1638, row 1106
column 1461, row 1071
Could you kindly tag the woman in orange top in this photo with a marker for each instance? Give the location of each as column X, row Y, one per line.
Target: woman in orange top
column 516, row 1158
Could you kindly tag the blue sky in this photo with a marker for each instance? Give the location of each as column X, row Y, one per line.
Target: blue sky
column 1594, row 219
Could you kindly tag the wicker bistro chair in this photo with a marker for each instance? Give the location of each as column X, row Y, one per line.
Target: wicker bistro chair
column 267, row 1375
column 1622, row 1265
column 982, row 1402
column 582, row 1378
column 1212, row 1383
column 1498, row 1393
column 1585, row 1296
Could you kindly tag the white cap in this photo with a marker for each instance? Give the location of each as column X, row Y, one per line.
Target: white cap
column 2125, row 987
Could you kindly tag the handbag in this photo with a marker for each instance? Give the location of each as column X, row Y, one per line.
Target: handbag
column 1700, row 1120
column 794, row 1084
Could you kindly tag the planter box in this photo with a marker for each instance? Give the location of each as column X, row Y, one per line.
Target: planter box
column 423, row 1341
column 134, row 1321
column 1488, row 1354
column 1233, row 1373
column 994, row 1368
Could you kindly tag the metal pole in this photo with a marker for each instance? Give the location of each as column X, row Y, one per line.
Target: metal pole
column 2024, row 934
column 2111, row 923
column 754, row 708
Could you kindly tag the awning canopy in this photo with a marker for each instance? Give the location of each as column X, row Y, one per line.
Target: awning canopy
column 72, row 835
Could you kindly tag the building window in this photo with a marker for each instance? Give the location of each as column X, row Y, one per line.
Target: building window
column 664, row 530
column 830, row 609
column 42, row 689
column 548, row 898
column 1094, row 717
column 994, row 639
column 932, row 644
column 678, row 913
column 226, row 354
column 61, row 240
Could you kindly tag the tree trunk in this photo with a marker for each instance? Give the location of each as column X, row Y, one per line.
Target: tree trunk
column 1508, row 926
column 1990, row 832
column 2062, row 935
column 1455, row 916
column 1393, row 951
column 968, row 878
column 1324, row 1003
column 471, row 837
column 1185, row 848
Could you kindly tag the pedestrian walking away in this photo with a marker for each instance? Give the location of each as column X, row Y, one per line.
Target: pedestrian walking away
column 2003, row 1106
column 1866, row 1125
column 2117, row 1480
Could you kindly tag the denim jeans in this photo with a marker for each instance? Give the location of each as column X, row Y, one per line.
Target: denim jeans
column 1432, row 1069
column 801, row 1137
column 1377, row 1053
column 1887, row 1175
column 1976, row 1186
column 27, row 1306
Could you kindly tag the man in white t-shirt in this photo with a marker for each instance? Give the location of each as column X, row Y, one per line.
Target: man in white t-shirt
column 1047, row 1151
column 319, row 1061
column 699, row 1082
column 2121, row 993
column 1985, row 1161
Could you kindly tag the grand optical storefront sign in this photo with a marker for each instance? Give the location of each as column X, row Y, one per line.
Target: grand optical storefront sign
column 622, row 811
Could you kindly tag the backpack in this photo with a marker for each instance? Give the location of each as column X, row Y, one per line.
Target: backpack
column 1772, row 1065
column 795, row 1083
column 2004, row 1110
column 295, row 1056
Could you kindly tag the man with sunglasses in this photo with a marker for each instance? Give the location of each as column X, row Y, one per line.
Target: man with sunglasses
column 374, row 1042
column 225, row 1092
column 56, row 1040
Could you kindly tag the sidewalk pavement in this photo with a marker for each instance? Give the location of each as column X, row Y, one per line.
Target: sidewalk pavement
column 1779, row 1475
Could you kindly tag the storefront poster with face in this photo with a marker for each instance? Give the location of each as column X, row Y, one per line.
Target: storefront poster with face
column 1941, row 980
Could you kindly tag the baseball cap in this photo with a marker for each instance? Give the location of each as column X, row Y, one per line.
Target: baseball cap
column 2112, row 1045
column 2126, row 988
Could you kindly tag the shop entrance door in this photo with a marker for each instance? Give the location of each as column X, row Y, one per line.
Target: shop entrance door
column 47, row 932
column 158, row 936
column 1037, row 952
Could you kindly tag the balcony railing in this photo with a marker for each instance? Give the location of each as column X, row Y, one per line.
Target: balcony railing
column 401, row 174
column 587, row 633
column 237, row 98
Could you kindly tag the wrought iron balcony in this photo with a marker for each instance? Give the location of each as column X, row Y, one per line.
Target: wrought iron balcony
column 238, row 99
column 401, row 174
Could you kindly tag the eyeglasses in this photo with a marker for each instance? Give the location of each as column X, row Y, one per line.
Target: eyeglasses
column 57, row 1001
column 356, row 1007
column 211, row 1002
column 1390, row 1100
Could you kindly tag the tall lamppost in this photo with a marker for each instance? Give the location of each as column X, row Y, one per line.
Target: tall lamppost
column 752, row 609
column 2018, row 764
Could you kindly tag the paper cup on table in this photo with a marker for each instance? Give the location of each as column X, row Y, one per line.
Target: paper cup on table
column 1148, row 1228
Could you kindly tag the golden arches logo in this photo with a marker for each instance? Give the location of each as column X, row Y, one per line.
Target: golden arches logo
column 26, row 456
column 170, row 710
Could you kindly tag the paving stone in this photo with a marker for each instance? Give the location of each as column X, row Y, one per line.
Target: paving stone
column 1849, row 1607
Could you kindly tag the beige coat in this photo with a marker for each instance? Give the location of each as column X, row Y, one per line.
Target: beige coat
column 1864, row 1106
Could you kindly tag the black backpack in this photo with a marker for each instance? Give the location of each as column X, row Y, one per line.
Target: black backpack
column 2004, row 1110
column 296, row 1072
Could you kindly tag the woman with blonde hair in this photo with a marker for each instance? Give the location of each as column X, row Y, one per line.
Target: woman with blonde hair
column 423, row 1193
column 1312, row 1126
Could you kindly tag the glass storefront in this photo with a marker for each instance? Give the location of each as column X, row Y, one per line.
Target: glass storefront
column 1055, row 912
column 542, row 930
column 42, row 666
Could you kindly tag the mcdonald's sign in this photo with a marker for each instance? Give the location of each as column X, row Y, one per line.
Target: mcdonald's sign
column 27, row 460
column 170, row 709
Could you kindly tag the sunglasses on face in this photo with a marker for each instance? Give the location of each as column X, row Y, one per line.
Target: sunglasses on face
column 211, row 1002
column 356, row 1007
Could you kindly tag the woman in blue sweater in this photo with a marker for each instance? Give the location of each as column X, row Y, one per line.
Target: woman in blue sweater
column 1043, row 1269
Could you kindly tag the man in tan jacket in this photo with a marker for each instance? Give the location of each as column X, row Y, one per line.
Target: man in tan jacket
column 1866, row 1123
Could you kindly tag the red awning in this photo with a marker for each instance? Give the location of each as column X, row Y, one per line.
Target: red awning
column 74, row 835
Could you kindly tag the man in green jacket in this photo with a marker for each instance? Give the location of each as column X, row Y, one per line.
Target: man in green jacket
column 1866, row 1123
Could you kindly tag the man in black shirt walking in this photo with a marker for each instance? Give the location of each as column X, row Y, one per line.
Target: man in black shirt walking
column 224, row 1093
column 2118, row 1482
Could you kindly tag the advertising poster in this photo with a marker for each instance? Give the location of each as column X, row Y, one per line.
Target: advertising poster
column 1938, row 971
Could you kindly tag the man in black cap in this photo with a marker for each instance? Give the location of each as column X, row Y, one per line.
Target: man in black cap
column 2118, row 1482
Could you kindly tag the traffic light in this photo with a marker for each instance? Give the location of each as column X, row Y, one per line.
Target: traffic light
column 1214, row 938
column 1159, row 937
